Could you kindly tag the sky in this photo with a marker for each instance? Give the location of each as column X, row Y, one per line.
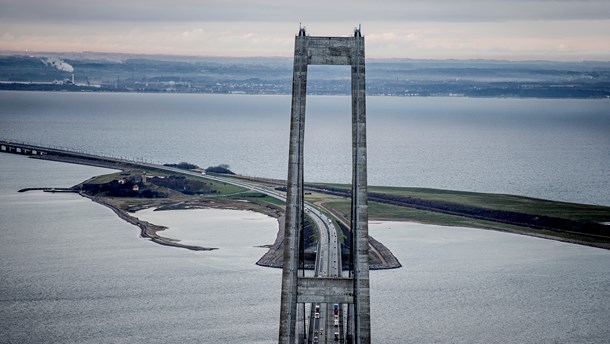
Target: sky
column 561, row 30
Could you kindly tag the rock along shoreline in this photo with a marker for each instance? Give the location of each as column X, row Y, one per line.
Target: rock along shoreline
column 147, row 229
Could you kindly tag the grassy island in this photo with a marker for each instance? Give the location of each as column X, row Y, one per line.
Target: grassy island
column 138, row 188
column 135, row 189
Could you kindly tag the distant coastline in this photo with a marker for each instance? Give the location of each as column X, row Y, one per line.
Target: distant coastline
column 506, row 90
column 98, row 72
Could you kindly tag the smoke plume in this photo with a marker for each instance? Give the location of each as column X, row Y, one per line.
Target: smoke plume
column 58, row 63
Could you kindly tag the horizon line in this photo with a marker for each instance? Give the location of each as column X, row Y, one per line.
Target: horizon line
column 32, row 53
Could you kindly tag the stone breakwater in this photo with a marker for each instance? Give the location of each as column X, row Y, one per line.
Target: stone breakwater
column 147, row 229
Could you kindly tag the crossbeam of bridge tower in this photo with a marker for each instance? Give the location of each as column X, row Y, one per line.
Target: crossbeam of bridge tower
column 354, row 291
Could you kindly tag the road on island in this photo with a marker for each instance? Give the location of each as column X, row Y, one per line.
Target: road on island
column 324, row 322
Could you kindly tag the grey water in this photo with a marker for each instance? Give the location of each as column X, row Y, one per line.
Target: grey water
column 73, row 272
column 461, row 285
column 547, row 148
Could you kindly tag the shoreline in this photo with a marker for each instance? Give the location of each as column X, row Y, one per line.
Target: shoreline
column 383, row 259
column 147, row 230
column 273, row 258
column 417, row 205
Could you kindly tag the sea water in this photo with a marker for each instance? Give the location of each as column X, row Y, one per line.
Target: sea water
column 547, row 148
column 71, row 271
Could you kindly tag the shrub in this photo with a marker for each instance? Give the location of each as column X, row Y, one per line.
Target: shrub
column 222, row 168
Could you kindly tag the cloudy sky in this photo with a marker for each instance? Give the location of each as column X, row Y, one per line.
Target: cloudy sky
column 438, row 29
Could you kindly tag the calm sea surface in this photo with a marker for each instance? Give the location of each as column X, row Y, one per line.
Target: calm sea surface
column 556, row 149
column 73, row 272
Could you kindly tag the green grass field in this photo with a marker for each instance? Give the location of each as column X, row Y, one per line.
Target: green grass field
column 527, row 205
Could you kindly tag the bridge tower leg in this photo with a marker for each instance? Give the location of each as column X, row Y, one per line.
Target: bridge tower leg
column 294, row 196
column 359, row 222
column 327, row 51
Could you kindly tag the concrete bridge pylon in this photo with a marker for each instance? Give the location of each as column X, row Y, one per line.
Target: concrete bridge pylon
column 310, row 50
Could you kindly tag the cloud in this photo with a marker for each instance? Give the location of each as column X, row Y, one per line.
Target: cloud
column 305, row 11
column 197, row 32
column 393, row 28
column 393, row 37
